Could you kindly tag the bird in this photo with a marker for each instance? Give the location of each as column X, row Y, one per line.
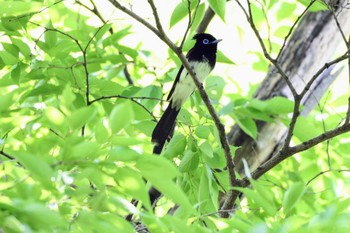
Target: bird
column 202, row 58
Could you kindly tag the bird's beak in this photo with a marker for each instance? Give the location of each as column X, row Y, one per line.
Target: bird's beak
column 216, row 41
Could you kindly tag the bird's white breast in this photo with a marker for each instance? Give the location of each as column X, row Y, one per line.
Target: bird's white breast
column 185, row 87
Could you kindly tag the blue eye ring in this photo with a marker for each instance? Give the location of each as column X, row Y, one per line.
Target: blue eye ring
column 205, row 41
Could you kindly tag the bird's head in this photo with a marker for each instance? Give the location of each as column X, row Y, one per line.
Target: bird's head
column 206, row 40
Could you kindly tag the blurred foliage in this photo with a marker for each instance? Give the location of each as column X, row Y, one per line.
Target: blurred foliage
column 79, row 132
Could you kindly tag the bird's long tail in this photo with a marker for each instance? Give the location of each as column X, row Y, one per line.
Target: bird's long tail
column 164, row 128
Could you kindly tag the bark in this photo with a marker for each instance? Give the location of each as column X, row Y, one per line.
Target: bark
column 311, row 46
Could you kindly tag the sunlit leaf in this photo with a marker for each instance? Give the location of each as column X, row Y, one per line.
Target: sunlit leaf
column 121, row 116
column 292, row 196
column 189, row 162
column 176, row 146
column 248, row 126
column 181, row 10
column 219, row 7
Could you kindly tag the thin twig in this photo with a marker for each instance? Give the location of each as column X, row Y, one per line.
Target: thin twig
column 282, row 155
column 190, row 21
column 126, row 97
column 208, row 16
column 249, row 18
column 7, row 155
column 156, row 17
column 95, row 11
column 133, row 99
column 87, row 93
column 324, row 172
column 320, row 71
column 40, row 11
column 347, row 43
column 292, row 28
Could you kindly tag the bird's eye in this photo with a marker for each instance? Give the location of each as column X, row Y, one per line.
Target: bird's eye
column 205, row 41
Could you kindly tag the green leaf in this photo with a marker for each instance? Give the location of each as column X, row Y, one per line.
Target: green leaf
column 101, row 133
column 23, row 47
column 215, row 87
column 151, row 91
column 84, row 149
column 102, row 87
column 279, row 105
column 180, row 11
column 316, row 6
column 115, row 37
column 16, row 73
column 285, row 10
column 127, row 50
column 221, row 57
column 248, row 126
column 121, row 116
column 219, row 7
column 257, row 199
column 216, row 159
column 54, row 115
column 131, row 183
column 202, row 131
column 189, row 162
column 13, row 49
column 199, row 17
column 8, row 58
column 258, row 14
column 125, row 140
column 262, row 64
column 81, row 116
column 39, row 216
column 292, row 196
column 17, row 8
column 43, row 90
column 303, row 128
column 206, row 191
column 40, row 169
column 152, row 166
column 123, row 154
column 176, row 146
column 102, row 31
column 50, row 35
column 160, row 172
column 6, row 101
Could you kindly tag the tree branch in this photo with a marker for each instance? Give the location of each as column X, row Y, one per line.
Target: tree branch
column 282, row 155
column 266, row 54
column 199, row 85
column 7, row 155
column 324, row 172
column 208, row 16
column 292, row 28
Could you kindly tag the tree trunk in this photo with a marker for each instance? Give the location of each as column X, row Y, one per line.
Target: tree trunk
column 311, row 46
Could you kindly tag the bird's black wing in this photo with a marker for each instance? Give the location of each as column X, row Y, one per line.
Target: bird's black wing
column 177, row 79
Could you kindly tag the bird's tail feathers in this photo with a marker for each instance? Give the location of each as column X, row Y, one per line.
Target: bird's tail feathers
column 164, row 128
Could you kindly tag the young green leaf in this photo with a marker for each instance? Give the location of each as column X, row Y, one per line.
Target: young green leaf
column 176, row 146
column 101, row 133
column 81, row 116
column 160, row 172
column 202, row 131
column 292, row 196
column 189, row 162
column 219, row 7
column 247, row 125
column 121, row 116
column 181, row 10
column 131, row 183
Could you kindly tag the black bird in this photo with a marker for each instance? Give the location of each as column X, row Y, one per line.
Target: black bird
column 202, row 58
